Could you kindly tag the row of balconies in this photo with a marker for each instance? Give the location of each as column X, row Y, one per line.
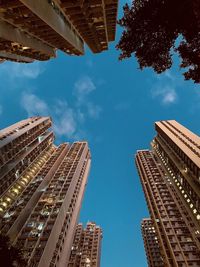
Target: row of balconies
column 187, row 137
column 34, row 25
column 17, row 145
column 23, row 157
column 26, row 195
column 54, row 217
column 25, row 135
column 21, row 125
column 16, row 52
column 21, row 166
column 93, row 22
column 180, row 159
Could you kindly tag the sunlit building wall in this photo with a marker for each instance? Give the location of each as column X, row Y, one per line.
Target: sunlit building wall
column 151, row 244
column 86, row 248
column 42, row 190
column 170, row 177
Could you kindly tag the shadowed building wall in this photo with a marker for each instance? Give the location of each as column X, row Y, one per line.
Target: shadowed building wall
column 34, row 30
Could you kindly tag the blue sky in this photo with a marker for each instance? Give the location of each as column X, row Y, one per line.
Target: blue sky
column 113, row 105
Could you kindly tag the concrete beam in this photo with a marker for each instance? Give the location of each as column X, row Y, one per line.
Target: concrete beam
column 6, row 55
column 50, row 15
column 9, row 32
column 111, row 8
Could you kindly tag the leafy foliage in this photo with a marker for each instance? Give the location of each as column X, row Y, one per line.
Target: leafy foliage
column 10, row 256
column 151, row 30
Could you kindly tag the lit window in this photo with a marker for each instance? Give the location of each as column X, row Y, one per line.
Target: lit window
column 16, row 190
column 4, row 204
column 24, row 181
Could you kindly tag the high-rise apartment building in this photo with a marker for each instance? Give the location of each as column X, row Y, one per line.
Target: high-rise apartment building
column 42, row 187
column 86, row 248
column 151, row 245
column 170, row 177
column 33, row 30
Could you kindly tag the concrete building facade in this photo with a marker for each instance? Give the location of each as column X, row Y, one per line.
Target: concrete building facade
column 151, row 244
column 170, row 177
column 86, row 248
column 42, row 190
column 33, row 30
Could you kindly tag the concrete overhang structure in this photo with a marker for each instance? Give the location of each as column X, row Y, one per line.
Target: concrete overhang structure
column 34, row 30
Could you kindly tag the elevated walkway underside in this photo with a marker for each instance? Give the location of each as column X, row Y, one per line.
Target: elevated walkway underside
column 33, row 30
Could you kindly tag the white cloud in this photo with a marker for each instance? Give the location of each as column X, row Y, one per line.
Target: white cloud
column 93, row 110
column 169, row 97
column 34, row 105
column 82, row 90
column 169, row 75
column 83, row 87
column 66, row 124
column 22, row 70
column 166, row 94
column 65, row 119
column 68, row 120
column 165, row 88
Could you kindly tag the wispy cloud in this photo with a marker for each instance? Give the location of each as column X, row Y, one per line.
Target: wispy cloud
column 93, row 110
column 82, row 90
column 165, row 88
column 166, row 94
column 20, row 70
column 168, row 74
column 169, row 97
column 34, row 105
column 69, row 120
column 65, row 119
